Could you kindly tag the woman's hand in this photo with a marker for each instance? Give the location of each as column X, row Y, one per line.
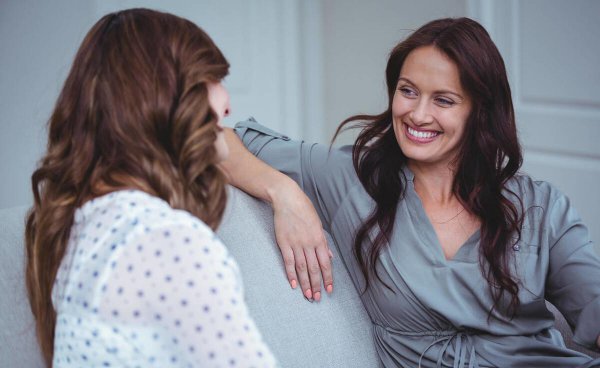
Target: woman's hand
column 302, row 242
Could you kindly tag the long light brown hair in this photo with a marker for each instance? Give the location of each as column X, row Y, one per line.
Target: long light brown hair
column 133, row 113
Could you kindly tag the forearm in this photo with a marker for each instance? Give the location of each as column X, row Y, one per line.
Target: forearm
column 298, row 229
column 250, row 174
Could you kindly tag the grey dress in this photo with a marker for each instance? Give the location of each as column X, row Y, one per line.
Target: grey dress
column 437, row 313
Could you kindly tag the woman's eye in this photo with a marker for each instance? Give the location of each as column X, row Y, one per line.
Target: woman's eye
column 408, row 92
column 442, row 101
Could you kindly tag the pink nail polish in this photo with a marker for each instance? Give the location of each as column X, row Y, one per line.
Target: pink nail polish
column 293, row 284
column 318, row 296
column 308, row 294
column 329, row 289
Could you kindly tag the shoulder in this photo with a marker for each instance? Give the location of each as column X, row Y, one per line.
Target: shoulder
column 544, row 205
column 533, row 192
column 150, row 229
column 132, row 213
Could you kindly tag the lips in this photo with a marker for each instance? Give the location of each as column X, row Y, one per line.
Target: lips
column 421, row 136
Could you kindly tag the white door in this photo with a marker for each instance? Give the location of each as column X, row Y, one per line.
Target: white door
column 552, row 54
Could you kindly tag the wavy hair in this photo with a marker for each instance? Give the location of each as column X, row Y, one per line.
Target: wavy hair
column 489, row 154
column 133, row 113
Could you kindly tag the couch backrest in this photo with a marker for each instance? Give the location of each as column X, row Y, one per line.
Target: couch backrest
column 18, row 346
column 335, row 332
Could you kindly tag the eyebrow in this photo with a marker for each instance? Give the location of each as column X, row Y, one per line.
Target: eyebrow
column 438, row 91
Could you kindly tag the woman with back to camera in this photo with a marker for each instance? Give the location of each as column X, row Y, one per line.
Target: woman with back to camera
column 453, row 250
column 123, row 267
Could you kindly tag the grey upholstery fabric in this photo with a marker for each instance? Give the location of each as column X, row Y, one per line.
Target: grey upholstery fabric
column 18, row 346
column 335, row 332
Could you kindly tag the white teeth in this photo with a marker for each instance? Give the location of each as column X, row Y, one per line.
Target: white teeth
column 419, row 134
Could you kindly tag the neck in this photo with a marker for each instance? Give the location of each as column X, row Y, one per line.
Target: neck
column 434, row 183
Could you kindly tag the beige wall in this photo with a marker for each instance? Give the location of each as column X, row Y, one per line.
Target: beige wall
column 358, row 36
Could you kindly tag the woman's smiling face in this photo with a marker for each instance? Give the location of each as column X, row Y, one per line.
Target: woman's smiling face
column 430, row 108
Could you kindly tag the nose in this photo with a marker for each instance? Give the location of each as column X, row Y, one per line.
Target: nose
column 421, row 114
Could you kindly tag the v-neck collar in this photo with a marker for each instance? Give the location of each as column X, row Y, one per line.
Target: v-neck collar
column 467, row 252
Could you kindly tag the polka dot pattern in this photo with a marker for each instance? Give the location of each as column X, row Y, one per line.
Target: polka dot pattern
column 144, row 285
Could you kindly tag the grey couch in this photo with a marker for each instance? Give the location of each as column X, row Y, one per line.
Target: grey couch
column 335, row 332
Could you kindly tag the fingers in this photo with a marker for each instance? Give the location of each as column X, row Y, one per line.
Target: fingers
column 314, row 273
column 306, row 266
column 290, row 266
column 302, row 273
column 324, row 256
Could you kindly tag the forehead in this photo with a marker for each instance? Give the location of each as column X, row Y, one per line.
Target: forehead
column 431, row 68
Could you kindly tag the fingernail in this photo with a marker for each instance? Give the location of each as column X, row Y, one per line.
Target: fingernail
column 329, row 289
column 318, row 296
column 293, row 284
column 308, row 294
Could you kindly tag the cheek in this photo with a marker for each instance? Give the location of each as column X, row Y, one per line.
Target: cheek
column 461, row 124
column 398, row 107
column 401, row 106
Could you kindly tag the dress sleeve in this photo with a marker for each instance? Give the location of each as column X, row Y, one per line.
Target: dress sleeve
column 573, row 283
column 180, row 280
column 324, row 173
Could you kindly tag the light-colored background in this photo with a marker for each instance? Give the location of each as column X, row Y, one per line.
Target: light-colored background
column 302, row 66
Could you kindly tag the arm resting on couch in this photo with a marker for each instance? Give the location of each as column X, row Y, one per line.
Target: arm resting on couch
column 298, row 229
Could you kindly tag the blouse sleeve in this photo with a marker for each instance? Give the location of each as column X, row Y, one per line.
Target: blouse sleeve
column 324, row 173
column 181, row 280
column 573, row 283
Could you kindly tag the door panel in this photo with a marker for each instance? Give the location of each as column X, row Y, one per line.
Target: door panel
column 552, row 55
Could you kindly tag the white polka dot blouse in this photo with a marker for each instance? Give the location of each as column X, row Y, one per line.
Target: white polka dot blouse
column 145, row 285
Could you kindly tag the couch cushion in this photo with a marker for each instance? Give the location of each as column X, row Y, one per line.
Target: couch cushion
column 335, row 332
column 18, row 346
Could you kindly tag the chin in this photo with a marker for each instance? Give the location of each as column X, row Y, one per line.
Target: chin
column 417, row 155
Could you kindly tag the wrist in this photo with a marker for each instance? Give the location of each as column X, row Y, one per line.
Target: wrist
column 281, row 189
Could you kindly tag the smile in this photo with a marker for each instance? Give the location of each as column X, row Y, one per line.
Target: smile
column 421, row 136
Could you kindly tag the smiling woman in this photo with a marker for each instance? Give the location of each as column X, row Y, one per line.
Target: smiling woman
column 455, row 253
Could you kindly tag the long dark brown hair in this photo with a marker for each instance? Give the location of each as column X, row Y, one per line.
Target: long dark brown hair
column 489, row 155
column 133, row 113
